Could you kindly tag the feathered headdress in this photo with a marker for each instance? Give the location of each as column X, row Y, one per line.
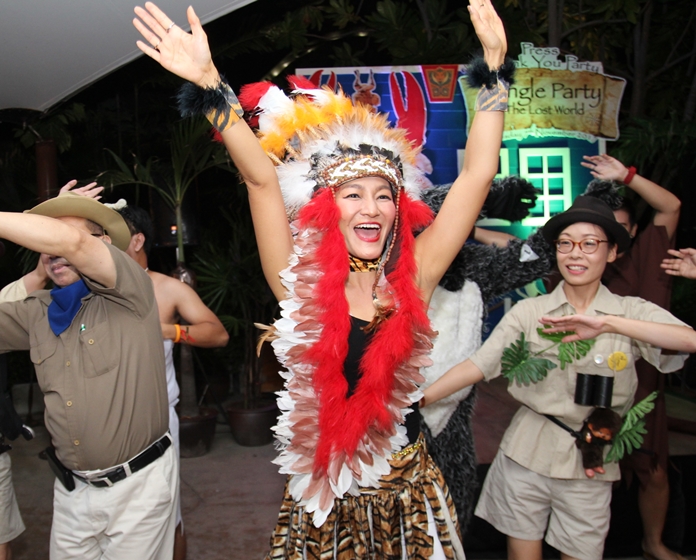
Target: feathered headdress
column 319, row 139
column 329, row 444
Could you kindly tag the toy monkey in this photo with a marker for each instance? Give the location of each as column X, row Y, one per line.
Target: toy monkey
column 598, row 430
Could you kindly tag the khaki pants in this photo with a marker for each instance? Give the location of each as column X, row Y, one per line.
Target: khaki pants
column 11, row 525
column 133, row 519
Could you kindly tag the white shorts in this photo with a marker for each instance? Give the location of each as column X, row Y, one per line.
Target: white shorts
column 572, row 515
column 11, row 524
column 134, row 518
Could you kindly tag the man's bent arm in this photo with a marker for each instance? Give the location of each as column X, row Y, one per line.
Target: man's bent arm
column 204, row 329
column 53, row 237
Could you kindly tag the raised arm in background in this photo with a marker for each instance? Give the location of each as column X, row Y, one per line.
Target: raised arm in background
column 665, row 204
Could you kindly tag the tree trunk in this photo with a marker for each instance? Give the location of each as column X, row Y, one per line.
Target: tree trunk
column 641, row 36
column 555, row 22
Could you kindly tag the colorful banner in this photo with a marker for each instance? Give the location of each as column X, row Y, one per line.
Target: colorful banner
column 423, row 100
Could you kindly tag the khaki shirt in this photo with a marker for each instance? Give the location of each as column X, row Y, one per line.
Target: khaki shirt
column 103, row 378
column 532, row 440
column 14, row 291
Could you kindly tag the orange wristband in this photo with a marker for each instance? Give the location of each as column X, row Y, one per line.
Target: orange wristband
column 177, row 338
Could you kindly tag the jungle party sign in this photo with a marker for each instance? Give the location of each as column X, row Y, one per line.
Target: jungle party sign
column 553, row 97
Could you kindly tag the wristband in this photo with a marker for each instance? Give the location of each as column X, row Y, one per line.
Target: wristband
column 629, row 176
column 219, row 104
column 177, row 338
column 493, row 84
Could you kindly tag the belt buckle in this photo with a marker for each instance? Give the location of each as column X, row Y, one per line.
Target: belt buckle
column 109, row 479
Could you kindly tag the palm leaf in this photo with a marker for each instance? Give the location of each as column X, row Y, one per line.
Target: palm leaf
column 568, row 351
column 632, row 430
column 517, row 364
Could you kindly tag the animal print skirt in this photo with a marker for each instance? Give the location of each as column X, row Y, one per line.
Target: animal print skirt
column 389, row 523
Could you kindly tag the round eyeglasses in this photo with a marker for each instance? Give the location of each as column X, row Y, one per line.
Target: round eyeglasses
column 587, row 246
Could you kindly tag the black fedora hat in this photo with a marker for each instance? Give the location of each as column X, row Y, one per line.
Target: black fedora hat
column 591, row 210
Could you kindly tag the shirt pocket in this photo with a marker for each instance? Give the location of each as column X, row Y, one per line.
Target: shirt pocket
column 99, row 346
column 40, row 351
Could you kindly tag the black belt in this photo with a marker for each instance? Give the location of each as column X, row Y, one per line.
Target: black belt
column 152, row 453
column 578, row 435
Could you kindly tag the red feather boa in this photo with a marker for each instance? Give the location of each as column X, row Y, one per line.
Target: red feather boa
column 343, row 422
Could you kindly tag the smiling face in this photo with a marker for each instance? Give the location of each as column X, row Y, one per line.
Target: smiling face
column 367, row 215
column 581, row 269
column 58, row 269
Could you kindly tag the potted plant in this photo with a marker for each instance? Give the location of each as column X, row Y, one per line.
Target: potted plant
column 232, row 284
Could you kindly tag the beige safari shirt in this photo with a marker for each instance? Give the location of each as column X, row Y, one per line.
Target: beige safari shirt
column 103, row 378
column 14, row 291
column 534, row 441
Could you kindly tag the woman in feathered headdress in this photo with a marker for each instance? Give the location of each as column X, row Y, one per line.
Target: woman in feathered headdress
column 354, row 285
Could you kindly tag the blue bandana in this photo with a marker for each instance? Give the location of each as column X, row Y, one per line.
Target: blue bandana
column 65, row 305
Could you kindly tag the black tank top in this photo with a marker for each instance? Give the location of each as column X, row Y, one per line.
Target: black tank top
column 358, row 340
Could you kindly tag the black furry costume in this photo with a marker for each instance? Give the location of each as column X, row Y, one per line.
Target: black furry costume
column 496, row 271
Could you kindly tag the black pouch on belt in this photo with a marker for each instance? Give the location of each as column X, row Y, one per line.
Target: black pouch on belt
column 62, row 473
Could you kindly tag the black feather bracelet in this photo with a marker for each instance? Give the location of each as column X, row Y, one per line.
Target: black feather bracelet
column 479, row 74
column 219, row 104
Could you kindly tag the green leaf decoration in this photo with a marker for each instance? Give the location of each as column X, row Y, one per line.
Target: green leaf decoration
column 632, row 430
column 517, row 364
column 568, row 351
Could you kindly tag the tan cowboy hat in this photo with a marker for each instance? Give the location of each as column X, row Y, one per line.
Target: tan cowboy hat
column 71, row 204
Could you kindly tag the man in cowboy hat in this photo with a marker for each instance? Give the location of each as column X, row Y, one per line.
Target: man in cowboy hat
column 95, row 340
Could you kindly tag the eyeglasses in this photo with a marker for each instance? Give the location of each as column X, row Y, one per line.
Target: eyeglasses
column 587, row 246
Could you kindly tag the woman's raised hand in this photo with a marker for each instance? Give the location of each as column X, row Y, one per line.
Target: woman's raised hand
column 490, row 31
column 605, row 167
column 185, row 54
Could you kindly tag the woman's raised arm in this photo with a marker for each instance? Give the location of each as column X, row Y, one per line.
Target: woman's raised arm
column 437, row 246
column 188, row 56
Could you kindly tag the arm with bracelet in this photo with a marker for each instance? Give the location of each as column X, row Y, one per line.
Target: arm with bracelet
column 188, row 55
column 665, row 204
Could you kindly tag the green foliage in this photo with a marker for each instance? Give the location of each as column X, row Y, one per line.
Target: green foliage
column 192, row 153
column 517, row 364
column 568, row 351
column 54, row 126
column 632, row 430
column 658, row 144
column 341, row 13
column 411, row 36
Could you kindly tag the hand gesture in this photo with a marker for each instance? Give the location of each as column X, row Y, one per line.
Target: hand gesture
column 185, row 54
column 91, row 190
column 584, row 326
column 683, row 265
column 489, row 30
column 605, row 167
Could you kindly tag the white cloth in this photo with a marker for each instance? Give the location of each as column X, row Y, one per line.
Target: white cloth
column 11, row 524
column 458, row 319
column 133, row 519
column 173, row 395
column 172, row 391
